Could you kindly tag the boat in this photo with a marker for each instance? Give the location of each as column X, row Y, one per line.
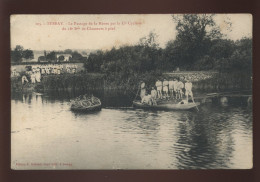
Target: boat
column 166, row 105
column 89, row 104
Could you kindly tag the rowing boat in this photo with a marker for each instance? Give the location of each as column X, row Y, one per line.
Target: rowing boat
column 85, row 105
column 166, row 106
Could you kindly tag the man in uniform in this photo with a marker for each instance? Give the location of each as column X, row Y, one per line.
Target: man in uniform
column 165, row 88
column 171, row 87
column 153, row 96
column 158, row 85
column 179, row 88
column 175, row 87
column 188, row 90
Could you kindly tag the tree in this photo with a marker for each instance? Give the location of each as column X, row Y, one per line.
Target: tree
column 68, row 51
column 76, row 56
column 17, row 54
column 196, row 27
column 241, row 58
column 51, row 56
column 221, row 48
column 195, row 33
column 94, row 62
column 28, row 54
column 149, row 41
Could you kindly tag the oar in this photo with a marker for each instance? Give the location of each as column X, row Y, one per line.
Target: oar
column 136, row 95
column 194, row 102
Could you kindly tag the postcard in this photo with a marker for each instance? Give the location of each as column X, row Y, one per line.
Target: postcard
column 131, row 91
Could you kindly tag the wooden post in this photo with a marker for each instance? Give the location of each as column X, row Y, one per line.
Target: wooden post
column 249, row 101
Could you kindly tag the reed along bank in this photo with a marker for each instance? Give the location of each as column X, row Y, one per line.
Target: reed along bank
column 202, row 81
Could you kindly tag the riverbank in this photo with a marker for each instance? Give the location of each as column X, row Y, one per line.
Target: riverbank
column 202, row 82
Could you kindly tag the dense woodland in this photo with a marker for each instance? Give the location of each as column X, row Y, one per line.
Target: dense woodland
column 199, row 45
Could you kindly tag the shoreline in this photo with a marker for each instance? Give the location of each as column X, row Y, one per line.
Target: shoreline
column 202, row 82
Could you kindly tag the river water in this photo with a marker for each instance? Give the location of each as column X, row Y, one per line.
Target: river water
column 45, row 134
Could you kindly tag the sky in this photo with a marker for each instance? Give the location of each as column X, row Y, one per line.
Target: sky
column 60, row 32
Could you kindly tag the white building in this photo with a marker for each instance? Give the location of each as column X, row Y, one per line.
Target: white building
column 66, row 57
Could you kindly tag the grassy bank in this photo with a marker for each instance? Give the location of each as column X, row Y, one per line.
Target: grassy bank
column 95, row 81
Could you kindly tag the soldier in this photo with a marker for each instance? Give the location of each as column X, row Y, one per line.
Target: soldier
column 158, row 85
column 188, row 90
column 165, row 88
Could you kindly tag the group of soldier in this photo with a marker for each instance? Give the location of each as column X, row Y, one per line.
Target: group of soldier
column 55, row 69
column 165, row 89
column 34, row 74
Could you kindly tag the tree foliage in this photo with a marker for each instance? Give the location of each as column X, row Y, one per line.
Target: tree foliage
column 28, row 54
column 51, row 56
column 19, row 53
column 199, row 45
column 76, row 56
column 195, row 33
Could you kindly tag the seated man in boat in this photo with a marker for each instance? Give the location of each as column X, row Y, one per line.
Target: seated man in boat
column 147, row 99
column 158, row 85
column 183, row 102
column 188, row 90
column 92, row 99
column 153, row 96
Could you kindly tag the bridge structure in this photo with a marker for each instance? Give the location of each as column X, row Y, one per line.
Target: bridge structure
column 243, row 96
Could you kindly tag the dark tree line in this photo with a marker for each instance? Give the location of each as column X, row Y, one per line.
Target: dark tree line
column 75, row 56
column 19, row 53
column 199, row 45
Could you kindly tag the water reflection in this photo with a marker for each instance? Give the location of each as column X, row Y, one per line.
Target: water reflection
column 122, row 137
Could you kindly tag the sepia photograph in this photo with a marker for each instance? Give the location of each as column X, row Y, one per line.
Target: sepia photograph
column 131, row 91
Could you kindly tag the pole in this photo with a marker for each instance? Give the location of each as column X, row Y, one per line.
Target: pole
column 137, row 93
column 194, row 102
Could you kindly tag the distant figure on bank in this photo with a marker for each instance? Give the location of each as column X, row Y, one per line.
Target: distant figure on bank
column 143, row 90
column 24, row 79
column 153, row 96
column 33, row 77
column 165, row 87
column 188, row 90
column 43, row 70
column 147, row 99
column 47, row 70
column 38, row 76
column 179, row 88
column 158, row 85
